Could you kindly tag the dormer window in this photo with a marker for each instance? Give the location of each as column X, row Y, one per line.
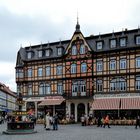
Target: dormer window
column 99, row 45
column 112, row 43
column 29, row 55
column 47, row 52
column 59, row 51
column 74, row 50
column 122, row 42
column 138, row 40
column 40, row 53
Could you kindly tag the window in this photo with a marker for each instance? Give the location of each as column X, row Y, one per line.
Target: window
column 48, row 71
column 74, row 88
column 138, row 62
column 73, row 68
column 122, row 84
column 112, row 64
column 29, row 72
column 47, row 52
column 122, row 42
column 29, row 55
column 123, row 64
column 29, row 89
column 41, row 89
column 40, row 53
column 40, row 71
column 99, row 65
column 59, row 70
column 74, row 50
column 138, row 83
column 83, row 67
column 82, row 49
column 59, row 51
column 112, row 43
column 60, row 88
column 99, row 45
column 19, row 73
column 138, row 40
column 48, row 89
column 99, row 85
column 118, row 84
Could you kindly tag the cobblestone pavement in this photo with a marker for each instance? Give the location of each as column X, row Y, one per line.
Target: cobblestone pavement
column 77, row 132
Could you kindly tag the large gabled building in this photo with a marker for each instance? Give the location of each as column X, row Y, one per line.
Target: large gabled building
column 99, row 74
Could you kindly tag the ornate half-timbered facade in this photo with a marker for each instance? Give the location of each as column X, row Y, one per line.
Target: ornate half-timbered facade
column 83, row 74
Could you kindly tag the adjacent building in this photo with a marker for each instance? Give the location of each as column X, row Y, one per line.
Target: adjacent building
column 7, row 100
column 97, row 74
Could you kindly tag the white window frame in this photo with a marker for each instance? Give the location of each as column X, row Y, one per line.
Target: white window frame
column 40, row 53
column 59, row 51
column 60, row 88
column 137, row 83
column 29, row 72
column 74, row 50
column 122, row 42
column 113, row 43
column 99, row 85
column 73, row 68
column 48, row 71
column 82, row 49
column 29, row 55
column 123, row 63
column 99, row 66
column 40, row 71
column 48, row 88
column 41, row 89
column 83, row 67
column 137, row 62
column 74, row 88
column 112, row 64
column 47, row 52
column 137, row 40
column 59, row 70
column 99, row 45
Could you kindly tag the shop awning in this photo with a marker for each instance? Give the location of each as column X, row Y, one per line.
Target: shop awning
column 106, row 104
column 130, row 103
column 56, row 100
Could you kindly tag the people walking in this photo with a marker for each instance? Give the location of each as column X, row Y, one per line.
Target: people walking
column 106, row 121
column 82, row 120
column 137, row 121
column 55, row 122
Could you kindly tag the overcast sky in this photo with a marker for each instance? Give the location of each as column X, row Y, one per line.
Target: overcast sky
column 25, row 22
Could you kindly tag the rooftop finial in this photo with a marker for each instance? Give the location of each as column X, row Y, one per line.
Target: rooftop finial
column 77, row 25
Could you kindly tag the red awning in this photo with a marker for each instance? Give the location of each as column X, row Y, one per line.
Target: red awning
column 52, row 101
column 106, row 104
column 130, row 103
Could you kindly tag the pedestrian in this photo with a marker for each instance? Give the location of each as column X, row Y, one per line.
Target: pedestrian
column 47, row 121
column 82, row 120
column 137, row 121
column 106, row 121
column 55, row 122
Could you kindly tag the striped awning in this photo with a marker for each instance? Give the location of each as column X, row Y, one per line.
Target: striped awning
column 52, row 101
column 130, row 103
column 106, row 104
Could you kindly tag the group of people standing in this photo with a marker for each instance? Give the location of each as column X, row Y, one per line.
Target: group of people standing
column 51, row 121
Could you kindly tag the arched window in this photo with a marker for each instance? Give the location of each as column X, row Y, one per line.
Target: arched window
column 30, row 89
column 48, row 88
column 118, row 84
column 73, row 68
column 74, row 50
column 83, row 67
column 41, row 89
column 99, row 85
column 82, row 49
column 138, row 83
